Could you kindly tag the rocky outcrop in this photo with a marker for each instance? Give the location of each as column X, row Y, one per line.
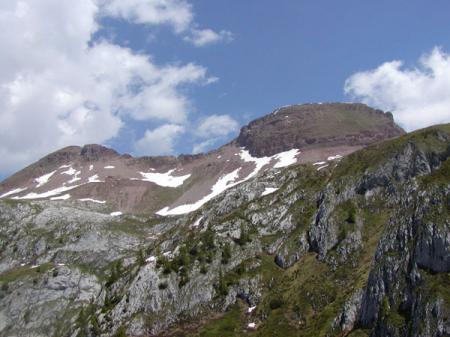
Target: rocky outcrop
column 317, row 125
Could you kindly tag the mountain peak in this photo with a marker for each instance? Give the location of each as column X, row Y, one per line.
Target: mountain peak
column 95, row 152
column 317, row 125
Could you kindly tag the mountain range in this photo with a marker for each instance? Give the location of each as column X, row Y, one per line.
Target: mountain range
column 317, row 220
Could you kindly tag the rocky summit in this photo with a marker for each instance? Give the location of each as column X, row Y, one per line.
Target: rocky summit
column 317, row 220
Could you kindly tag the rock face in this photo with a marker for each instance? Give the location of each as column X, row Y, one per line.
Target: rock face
column 357, row 248
column 315, row 126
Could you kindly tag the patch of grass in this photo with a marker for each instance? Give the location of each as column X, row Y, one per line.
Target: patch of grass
column 24, row 272
column 229, row 325
column 371, row 157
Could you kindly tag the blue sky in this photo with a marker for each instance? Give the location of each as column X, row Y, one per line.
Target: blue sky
column 136, row 74
column 288, row 52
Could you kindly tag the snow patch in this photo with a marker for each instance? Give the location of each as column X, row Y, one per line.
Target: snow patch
column 319, row 163
column 116, row 213
column 221, row 185
column 164, row 179
column 43, row 179
column 338, row 156
column 322, row 167
column 94, row 179
column 109, row 167
column 150, row 259
column 62, row 197
column 286, row 158
column 197, row 222
column 47, row 194
column 71, row 171
column 93, row 200
column 269, row 190
column 259, row 162
column 65, row 166
column 75, row 177
column 91, row 167
column 251, row 326
column 250, row 310
column 17, row 190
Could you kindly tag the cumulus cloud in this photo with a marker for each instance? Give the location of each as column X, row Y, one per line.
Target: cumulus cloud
column 159, row 141
column 176, row 13
column 417, row 97
column 212, row 130
column 204, row 146
column 217, row 125
column 203, row 37
column 59, row 88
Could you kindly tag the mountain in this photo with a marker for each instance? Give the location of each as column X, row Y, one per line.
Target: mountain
column 177, row 185
column 355, row 246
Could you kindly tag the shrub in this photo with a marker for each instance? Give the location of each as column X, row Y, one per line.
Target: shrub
column 226, row 253
column 163, row 285
column 140, row 259
column 221, row 286
column 275, row 303
column 244, row 237
column 351, row 215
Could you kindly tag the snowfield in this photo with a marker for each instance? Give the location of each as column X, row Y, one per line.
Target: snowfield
column 62, row 197
column 17, row 190
column 269, row 190
column 43, row 179
column 286, row 158
column 164, row 179
column 93, row 200
column 221, row 185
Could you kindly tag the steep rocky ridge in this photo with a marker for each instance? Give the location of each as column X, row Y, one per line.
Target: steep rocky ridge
column 358, row 246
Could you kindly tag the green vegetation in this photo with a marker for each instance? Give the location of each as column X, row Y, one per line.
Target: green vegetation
column 121, row 332
column 244, row 236
column 25, row 272
column 229, row 325
column 226, row 253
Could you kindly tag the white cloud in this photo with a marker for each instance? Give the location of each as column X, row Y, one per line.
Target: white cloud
column 202, row 37
column 204, row 146
column 417, row 97
column 159, row 141
column 212, row 130
column 217, row 126
column 177, row 13
column 59, row 88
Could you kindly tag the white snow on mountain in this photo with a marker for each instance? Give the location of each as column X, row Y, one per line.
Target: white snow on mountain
column 43, row 179
column 164, row 179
